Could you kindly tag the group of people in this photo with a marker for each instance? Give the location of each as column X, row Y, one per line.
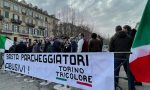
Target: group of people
column 63, row 44
column 121, row 41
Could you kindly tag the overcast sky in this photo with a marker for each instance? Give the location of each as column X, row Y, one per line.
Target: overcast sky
column 102, row 15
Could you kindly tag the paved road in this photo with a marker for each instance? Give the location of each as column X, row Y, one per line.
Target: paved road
column 124, row 83
column 9, row 81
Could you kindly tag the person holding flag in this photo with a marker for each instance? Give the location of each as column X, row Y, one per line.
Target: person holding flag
column 5, row 43
column 140, row 58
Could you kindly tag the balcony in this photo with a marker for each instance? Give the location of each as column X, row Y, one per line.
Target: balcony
column 23, row 13
column 41, row 27
column 1, row 17
column 6, row 31
column 24, row 33
column 16, row 21
column 6, row 7
column 37, row 18
column 30, row 25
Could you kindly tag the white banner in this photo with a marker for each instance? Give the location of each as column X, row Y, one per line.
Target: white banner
column 89, row 71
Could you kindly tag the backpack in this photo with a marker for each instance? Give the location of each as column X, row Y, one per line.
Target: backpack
column 85, row 47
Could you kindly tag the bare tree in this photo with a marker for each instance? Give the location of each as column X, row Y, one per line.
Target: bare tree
column 72, row 24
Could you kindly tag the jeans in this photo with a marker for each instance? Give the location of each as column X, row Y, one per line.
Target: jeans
column 128, row 73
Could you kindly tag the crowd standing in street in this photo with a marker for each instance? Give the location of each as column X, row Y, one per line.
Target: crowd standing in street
column 121, row 41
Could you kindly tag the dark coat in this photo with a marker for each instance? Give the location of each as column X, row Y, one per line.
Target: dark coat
column 21, row 48
column 48, row 47
column 120, row 42
column 29, row 49
column 56, row 46
column 95, row 45
column 74, row 46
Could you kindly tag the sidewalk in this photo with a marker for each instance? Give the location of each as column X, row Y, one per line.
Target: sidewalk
column 124, row 83
column 9, row 81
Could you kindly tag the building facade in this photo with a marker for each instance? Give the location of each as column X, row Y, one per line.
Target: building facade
column 19, row 20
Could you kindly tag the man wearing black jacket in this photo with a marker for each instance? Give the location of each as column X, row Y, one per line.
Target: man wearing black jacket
column 121, row 42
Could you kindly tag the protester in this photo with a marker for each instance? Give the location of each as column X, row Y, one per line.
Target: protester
column 80, row 42
column 73, row 44
column 133, row 32
column 21, row 47
column 65, row 45
column 101, row 40
column 95, row 45
column 34, row 49
column 47, row 46
column 56, row 45
column 121, row 42
column 127, row 29
column 12, row 49
column 29, row 48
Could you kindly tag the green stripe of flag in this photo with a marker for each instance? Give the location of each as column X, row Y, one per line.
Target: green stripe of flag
column 143, row 33
column 2, row 42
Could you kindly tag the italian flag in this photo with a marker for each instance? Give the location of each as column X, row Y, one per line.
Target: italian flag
column 5, row 43
column 140, row 58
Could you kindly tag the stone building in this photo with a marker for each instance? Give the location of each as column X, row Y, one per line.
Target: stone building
column 19, row 20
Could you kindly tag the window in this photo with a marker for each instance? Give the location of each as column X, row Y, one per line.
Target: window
column 15, row 28
column 33, row 31
column 30, row 20
column 36, row 32
column 37, row 16
column 30, row 30
column 45, row 19
column 16, row 17
column 16, row 8
column 26, row 30
column 41, row 32
column 46, row 32
column 6, row 14
column 30, row 13
column 6, row 27
column 6, row 4
column 23, row 11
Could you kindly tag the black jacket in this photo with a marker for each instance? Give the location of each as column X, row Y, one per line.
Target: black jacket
column 21, row 48
column 120, row 42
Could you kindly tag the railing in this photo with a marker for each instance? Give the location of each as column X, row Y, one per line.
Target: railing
column 6, row 7
column 41, row 27
column 16, row 21
column 30, row 25
column 7, row 31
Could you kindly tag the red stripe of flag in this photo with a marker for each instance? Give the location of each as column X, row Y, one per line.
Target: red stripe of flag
column 141, row 69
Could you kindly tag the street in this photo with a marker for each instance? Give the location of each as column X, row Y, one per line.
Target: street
column 11, row 81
